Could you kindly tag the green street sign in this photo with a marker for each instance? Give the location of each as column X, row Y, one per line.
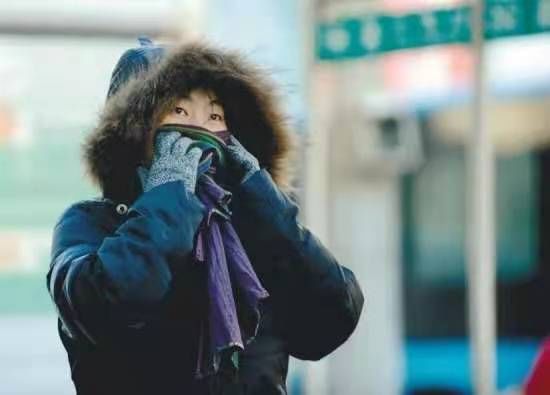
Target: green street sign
column 355, row 37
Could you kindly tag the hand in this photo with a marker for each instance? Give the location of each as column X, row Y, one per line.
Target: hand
column 245, row 163
column 171, row 162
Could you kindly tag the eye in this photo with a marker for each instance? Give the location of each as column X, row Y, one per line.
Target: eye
column 216, row 117
column 180, row 110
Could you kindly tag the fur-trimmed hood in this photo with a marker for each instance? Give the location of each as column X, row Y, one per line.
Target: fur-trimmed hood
column 116, row 146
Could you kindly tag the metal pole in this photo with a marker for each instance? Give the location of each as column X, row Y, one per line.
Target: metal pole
column 481, row 235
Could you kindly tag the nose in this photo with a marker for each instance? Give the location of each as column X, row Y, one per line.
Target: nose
column 197, row 119
column 193, row 120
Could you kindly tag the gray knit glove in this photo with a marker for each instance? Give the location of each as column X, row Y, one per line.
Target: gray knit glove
column 171, row 162
column 244, row 161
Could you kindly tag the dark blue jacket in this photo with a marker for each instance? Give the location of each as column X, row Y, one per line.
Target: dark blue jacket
column 130, row 298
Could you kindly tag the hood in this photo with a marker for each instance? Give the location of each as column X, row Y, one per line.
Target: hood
column 116, row 146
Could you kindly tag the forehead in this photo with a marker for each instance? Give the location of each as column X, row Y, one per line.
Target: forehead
column 201, row 95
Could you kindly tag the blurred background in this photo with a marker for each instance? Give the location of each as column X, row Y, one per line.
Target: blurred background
column 380, row 94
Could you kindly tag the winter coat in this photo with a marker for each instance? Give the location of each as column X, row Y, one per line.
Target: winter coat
column 130, row 298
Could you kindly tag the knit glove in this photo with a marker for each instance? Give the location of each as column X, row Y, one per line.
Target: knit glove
column 245, row 163
column 171, row 162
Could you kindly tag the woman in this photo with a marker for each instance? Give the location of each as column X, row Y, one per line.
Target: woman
column 191, row 274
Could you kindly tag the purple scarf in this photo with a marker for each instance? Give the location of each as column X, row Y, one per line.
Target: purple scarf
column 235, row 292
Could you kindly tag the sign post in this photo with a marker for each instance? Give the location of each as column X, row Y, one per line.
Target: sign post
column 358, row 37
column 481, row 234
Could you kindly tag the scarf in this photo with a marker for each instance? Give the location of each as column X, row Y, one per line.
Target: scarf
column 234, row 290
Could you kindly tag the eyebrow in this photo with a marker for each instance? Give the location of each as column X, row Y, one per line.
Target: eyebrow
column 213, row 102
column 216, row 102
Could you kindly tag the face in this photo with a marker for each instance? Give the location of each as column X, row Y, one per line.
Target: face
column 200, row 108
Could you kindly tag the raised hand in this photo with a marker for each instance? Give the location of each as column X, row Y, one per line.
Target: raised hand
column 171, row 162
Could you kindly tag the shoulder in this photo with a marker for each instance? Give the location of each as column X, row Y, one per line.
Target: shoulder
column 85, row 222
column 86, row 208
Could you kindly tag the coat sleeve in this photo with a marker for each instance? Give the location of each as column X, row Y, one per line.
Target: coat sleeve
column 317, row 301
column 106, row 283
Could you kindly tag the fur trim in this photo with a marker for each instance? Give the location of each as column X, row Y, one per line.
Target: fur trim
column 116, row 146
